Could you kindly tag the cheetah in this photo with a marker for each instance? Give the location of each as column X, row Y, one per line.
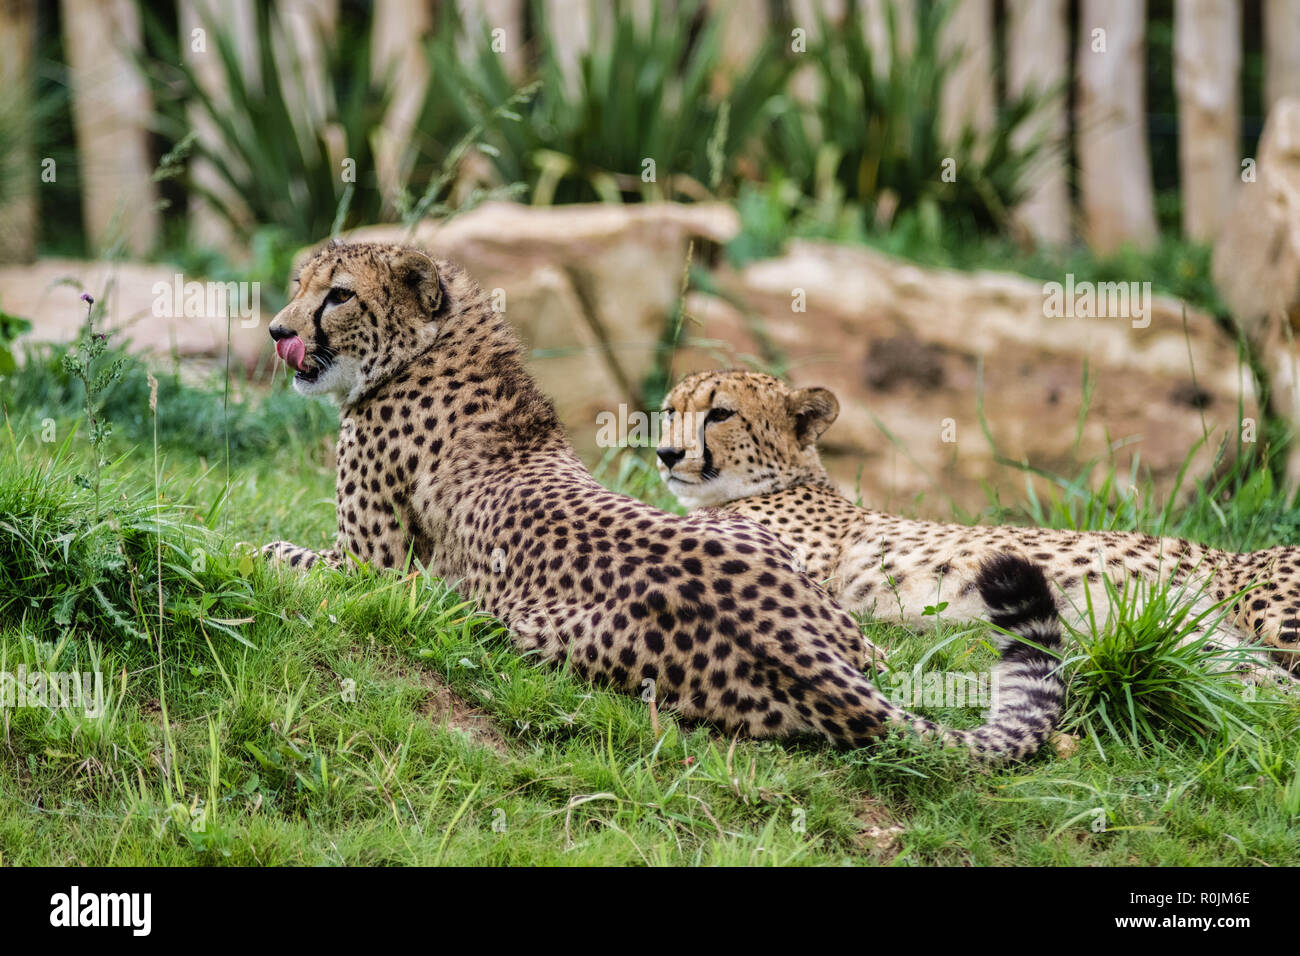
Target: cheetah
column 745, row 443
column 449, row 453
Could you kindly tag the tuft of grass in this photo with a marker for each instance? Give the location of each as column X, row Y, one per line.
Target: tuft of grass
column 71, row 566
column 1148, row 670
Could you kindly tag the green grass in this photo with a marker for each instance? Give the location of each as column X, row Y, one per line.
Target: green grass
column 377, row 719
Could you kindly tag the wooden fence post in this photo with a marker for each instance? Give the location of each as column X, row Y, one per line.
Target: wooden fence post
column 1207, row 77
column 206, row 226
column 1038, row 53
column 875, row 14
column 568, row 30
column 744, row 25
column 1114, row 161
column 504, row 15
column 301, row 30
column 806, row 16
column 1281, row 51
column 111, row 109
column 397, row 36
column 19, row 169
column 969, row 97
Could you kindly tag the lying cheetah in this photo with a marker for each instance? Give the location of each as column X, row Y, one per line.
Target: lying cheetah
column 450, row 454
column 746, row 442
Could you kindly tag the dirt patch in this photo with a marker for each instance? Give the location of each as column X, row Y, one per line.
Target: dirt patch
column 442, row 705
column 445, row 707
column 903, row 359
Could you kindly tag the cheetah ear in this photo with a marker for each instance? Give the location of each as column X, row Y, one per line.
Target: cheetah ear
column 813, row 410
column 418, row 271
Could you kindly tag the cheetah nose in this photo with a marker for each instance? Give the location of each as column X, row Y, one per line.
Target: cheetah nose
column 669, row 456
column 279, row 332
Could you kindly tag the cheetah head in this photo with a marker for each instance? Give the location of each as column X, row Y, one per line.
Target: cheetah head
column 734, row 434
column 358, row 314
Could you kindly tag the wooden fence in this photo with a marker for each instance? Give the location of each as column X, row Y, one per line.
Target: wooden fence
column 1113, row 202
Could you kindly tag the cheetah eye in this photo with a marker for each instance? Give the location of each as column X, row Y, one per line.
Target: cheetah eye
column 339, row 296
column 717, row 415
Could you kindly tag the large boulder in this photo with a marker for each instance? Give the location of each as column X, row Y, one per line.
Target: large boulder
column 153, row 307
column 918, row 355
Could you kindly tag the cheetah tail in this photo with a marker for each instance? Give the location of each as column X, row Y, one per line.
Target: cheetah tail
column 1027, row 688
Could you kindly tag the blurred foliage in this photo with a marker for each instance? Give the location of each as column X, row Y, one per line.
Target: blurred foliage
column 644, row 93
column 440, row 198
column 640, row 92
column 874, row 134
column 859, row 160
column 35, row 129
column 277, row 165
column 15, row 129
column 11, row 326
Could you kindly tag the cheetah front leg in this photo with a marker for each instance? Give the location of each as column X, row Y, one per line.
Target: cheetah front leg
column 285, row 552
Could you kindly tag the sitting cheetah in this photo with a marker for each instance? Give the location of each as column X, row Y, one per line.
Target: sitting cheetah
column 746, row 442
column 449, row 453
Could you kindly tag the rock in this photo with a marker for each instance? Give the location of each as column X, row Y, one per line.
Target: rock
column 1256, row 263
column 142, row 302
column 715, row 334
column 908, row 351
column 1065, row 745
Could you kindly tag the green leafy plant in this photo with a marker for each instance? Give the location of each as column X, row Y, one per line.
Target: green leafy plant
column 1149, row 669
column 98, row 368
column 77, row 568
column 277, row 163
column 639, row 93
column 873, row 136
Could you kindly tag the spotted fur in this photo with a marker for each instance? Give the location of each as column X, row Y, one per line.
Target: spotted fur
column 449, row 453
column 762, row 463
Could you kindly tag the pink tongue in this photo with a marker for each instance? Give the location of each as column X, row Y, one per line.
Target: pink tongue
column 292, row 350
